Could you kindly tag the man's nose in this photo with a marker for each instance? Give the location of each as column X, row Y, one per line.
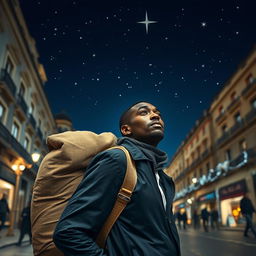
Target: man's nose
column 154, row 116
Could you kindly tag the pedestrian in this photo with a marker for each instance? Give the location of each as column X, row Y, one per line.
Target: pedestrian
column 25, row 224
column 4, row 210
column 214, row 219
column 247, row 210
column 179, row 218
column 205, row 217
column 195, row 219
column 184, row 219
column 146, row 225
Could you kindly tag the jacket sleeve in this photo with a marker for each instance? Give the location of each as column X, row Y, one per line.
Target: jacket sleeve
column 90, row 205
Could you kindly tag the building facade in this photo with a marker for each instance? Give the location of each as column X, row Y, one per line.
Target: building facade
column 25, row 116
column 216, row 164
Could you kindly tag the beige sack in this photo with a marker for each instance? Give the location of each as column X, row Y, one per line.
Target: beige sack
column 58, row 176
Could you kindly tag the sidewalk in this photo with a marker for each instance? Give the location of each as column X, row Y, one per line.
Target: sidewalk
column 6, row 241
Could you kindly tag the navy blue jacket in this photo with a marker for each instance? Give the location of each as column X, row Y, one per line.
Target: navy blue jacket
column 143, row 228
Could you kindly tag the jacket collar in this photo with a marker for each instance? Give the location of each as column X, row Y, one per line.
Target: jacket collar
column 135, row 152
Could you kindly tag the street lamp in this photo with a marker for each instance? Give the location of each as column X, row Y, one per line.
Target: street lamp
column 18, row 169
column 194, row 180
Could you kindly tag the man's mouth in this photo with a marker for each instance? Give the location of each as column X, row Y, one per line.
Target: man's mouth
column 156, row 125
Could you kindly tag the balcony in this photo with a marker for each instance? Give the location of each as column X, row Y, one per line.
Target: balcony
column 223, row 138
column 14, row 144
column 205, row 154
column 39, row 134
column 32, row 121
column 236, row 127
column 250, row 116
column 233, row 105
column 250, row 88
column 240, row 158
column 22, row 104
column 221, row 117
column 6, row 78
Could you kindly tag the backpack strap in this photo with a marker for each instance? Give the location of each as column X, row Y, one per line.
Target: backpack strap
column 123, row 197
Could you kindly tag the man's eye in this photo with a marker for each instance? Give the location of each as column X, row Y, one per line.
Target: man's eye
column 143, row 112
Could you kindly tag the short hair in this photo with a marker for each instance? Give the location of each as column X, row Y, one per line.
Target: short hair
column 124, row 116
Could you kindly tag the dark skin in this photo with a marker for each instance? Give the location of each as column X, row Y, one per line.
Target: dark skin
column 144, row 123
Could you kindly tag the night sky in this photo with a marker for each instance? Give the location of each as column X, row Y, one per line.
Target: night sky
column 99, row 60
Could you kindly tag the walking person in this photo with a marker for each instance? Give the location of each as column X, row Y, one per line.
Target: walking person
column 179, row 218
column 146, row 225
column 214, row 219
column 4, row 210
column 195, row 219
column 247, row 210
column 205, row 217
column 184, row 219
column 25, row 226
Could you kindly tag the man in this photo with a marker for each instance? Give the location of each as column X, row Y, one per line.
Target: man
column 214, row 219
column 247, row 210
column 205, row 217
column 4, row 210
column 146, row 225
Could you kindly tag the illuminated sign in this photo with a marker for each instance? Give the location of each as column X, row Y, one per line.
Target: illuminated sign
column 206, row 197
column 213, row 174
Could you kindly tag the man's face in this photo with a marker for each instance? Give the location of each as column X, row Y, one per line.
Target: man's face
column 144, row 123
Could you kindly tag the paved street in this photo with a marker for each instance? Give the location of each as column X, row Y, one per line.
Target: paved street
column 220, row 243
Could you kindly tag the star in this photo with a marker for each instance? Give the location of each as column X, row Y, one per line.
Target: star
column 147, row 22
column 203, row 24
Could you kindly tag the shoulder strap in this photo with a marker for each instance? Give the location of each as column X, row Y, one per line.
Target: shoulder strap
column 123, row 197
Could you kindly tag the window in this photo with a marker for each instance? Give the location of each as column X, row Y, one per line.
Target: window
column 237, row 117
column 203, row 130
column 233, row 96
column 193, row 156
column 253, row 103
column 205, row 142
column 9, row 66
column 201, row 172
column 249, row 79
column 26, row 143
column 15, row 130
column 198, row 151
column 31, row 109
column 228, row 154
column 221, row 109
column 22, row 90
column 2, row 111
column 224, row 128
column 242, row 145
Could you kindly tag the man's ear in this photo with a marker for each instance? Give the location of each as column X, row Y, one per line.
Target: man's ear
column 126, row 130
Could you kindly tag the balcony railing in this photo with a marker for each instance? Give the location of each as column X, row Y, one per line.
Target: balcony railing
column 220, row 116
column 249, row 88
column 14, row 144
column 251, row 115
column 32, row 121
column 205, row 153
column 5, row 76
column 236, row 126
column 22, row 103
column 223, row 138
column 39, row 134
column 233, row 104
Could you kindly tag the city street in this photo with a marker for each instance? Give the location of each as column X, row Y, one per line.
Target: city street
column 193, row 243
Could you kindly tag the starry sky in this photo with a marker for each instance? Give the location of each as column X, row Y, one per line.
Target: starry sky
column 99, row 59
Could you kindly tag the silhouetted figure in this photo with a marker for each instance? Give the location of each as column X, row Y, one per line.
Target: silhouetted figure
column 25, row 227
column 195, row 219
column 247, row 210
column 214, row 219
column 179, row 218
column 4, row 210
column 205, row 217
column 184, row 219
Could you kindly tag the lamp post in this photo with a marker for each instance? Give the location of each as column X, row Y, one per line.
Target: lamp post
column 18, row 169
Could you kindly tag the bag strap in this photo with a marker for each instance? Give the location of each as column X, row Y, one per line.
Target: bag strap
column 123, row 197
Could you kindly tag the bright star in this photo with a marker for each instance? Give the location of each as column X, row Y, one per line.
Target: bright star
column 147, row 22
column 203, row 24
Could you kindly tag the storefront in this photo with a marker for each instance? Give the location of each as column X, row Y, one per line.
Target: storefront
column 230, row 197
column 206, row 201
